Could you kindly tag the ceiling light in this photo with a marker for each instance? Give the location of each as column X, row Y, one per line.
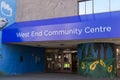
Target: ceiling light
column 62, row 44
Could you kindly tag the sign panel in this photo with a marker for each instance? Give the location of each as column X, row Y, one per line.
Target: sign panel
column 7, row 14
column 8, row 10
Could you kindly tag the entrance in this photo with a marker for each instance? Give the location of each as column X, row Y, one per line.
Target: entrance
column 61, row 60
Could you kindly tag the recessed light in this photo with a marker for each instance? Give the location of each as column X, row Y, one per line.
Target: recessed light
column 38, row 45
column 62, row 44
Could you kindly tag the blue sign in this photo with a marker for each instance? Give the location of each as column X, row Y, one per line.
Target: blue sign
column 8, row 10
column 99, row 29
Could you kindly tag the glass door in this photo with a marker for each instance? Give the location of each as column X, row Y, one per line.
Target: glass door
column 67, row 67
column 54, row 62
column 74, row 62
column 61, row 61
column 50, row 62
column 58, row 62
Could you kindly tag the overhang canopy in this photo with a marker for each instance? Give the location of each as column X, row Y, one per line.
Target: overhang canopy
column 94, row 26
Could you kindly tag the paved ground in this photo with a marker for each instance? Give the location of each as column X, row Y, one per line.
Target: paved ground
column 51, row 76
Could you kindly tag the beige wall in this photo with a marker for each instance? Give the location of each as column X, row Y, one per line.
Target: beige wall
column 43, row 9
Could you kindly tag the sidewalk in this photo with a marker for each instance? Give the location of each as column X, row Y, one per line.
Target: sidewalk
column 51, row 76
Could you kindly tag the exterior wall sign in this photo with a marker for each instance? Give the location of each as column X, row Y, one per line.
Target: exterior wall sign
column 68, row 31
column 8, row 10
column 64, row 32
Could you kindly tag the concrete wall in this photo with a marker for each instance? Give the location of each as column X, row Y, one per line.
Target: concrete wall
column 43, row 9
column 10, row 62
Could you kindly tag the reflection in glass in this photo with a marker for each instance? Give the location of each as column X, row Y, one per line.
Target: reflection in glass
column 81, row 8
column 115, row 5
column 101, row 6
column 60, row 62
column 89, row 7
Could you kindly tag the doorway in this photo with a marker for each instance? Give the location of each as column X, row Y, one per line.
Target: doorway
column 61, row 60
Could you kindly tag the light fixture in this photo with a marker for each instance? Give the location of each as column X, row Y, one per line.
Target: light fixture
column 117, row 50
column 39, row 45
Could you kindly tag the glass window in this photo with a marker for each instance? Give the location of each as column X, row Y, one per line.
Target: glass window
column 115, row 5
column 89, row 7
column 101, row 6
column 81, row 8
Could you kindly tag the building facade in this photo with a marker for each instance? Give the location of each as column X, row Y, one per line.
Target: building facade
column 38, row 10
column 72, row 36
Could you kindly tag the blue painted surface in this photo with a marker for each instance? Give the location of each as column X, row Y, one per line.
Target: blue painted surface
column 8, row 10
column 23, row 31
column 10, row 61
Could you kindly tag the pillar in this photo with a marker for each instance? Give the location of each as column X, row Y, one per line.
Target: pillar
column 97, row 60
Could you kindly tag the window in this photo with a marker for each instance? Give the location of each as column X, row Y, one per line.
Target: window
column 89, row 7
column 115, row 5
column 82, row 8
column 101, row 6
column 85, row 7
